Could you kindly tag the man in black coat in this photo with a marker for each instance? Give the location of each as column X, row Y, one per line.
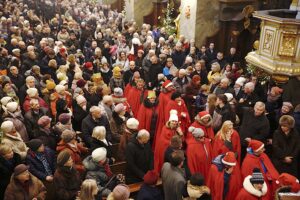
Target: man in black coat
column 139, row 157
column 178, row 56
column 129, row 73
column 16, row 78
column 95, row 118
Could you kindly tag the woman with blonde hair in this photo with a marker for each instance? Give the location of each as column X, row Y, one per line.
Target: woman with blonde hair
column 227, row 139
column 88, row 191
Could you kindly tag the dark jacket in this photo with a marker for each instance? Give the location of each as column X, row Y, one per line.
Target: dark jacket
column 48, row 137
column 31, row 121
column 286, row 145
column 289, row 93
column 6, row 170
column 148, row 192
column 178, row 58
column 139, row 160
column 36, row 166
column 67, row 183
column 79, row 114
column 98, row 143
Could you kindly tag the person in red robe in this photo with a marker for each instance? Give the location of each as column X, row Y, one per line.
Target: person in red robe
column 163, row 99
column 204, row 121
column 227, row 139
column 147, row 115
column 171, row 128
column 256, row 158
column 136, row 96
column 178, row 104
column 254, row 187
column 198, row 152
column 132, row 83
column 224, row 180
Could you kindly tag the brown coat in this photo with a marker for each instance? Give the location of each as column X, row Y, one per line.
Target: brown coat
column 15, row 191
column 16, row 143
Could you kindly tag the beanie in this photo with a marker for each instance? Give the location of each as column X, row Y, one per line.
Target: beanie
column 257, row 177
column 59, row 88
column 119, row 108
column 12, row 106
column 64, row 118
column 121, row 192
column 256, row 145
column 118, row 92
column 132, row 123
column 240, row 81
column 50, row 85
column 151, row 178
column 63, row 157
column 19, row 169
column 196, row 78
column 99, row 154
column 31, row 92
column 88, row 65
column 6, row 100
column 151, row 94
column 81, row 83
column 7, row 126
column 34, row 144
column 67, row 136
column 229, row 96
column 229, row 159
column 173, row 115
column 196, row 132
column 44, row 121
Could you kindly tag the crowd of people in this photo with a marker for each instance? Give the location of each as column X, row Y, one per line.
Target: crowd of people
column 77, row 79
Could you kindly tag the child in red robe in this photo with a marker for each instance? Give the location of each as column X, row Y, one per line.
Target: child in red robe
column 204, row 121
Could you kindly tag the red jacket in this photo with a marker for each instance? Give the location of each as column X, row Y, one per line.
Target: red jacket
column 198, row 156
column 26, row 104
column 270, row 175
column 250, row 193
column 135, row 99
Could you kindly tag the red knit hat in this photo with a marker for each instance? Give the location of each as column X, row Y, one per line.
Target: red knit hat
column 167, row 83
column 88, row 65
column 81, row 83
column 286, row 179
column 229, row 159
column 203, row 114
column 256, row 145
column 151, row 178
column 196, row 78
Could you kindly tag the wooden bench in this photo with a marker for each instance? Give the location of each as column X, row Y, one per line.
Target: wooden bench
column 118, row 167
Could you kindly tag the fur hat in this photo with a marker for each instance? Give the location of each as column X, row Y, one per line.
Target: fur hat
column 64, row 118
column 19, row 169
column 31, row 92
column 151, row 177
column 44, row 121
column 34, row 144
column 256, row 145
column 132, row 123
column 119, row 108
column 5, row 100
column 229, row 159
column 118, row 92
column 67, row 136
column 196, row 132
column 99, row 154
column 12, row 106
column 287, row 120
column 121, row 192
column 257, row 177
column 7, row 126
column 63, row 157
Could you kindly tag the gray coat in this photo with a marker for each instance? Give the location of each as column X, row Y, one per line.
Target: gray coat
column 173, row 180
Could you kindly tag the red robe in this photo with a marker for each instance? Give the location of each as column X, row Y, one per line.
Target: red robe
column 208, row 130
column 145, row 115
column 271, row 175
column 219, row 146
column 215, row 182
column 135, row 99
column 198, row 157
column 185, row 121
column 127, row 90
column 164, row 141
column 248, row 192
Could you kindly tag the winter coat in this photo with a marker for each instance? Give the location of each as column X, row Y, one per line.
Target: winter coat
column 31, row 119
column 173, row 179
column 26, row 104
column 148, row 192
column 6, row 170
column 248, row 192
column 190, row 192
column 117, row 126
column 283, row 146
column 48, row 137
column 15, row 191
column 66, row 182
column 19, row 124
column 79, row 114
column 139, row 159
column 54, row 97
column 16, row 143
column 289, row 93
column 124, row 139
column 36, row 166
column 181, row 84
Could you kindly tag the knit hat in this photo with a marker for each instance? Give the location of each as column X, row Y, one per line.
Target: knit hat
column 117, row 72
column 81, row 83
column 119, row 108
column 151, row 178
column 286, row 179
column 60, row 88
column 256, row 145
column 80, row 99
column 88, row 65
column 118, row 92
column 203, row 114
column 7, row 126
column 287, row 104
column 19, row 169
column 151, row 94
column 99, row 154
column 167, row 83
column 5, row 100
column 196, row 78
column 64, row 118
column 44, row 121
column 50, row 85
column 63, row 82
column 121, row 192
column 31, row 92
column 12, row 106
column 196, row 132
column 229, row 96
column 67, row 136
column 229, row 159
column 132, row 123
column 240, row 81
column 63, row 157
column 257, row 177
column 34, row 144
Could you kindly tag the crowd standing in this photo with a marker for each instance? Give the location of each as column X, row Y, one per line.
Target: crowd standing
column 77, row 79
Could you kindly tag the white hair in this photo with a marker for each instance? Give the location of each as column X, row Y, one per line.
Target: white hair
column 99, row 132
column 250, row 86
column 30, row 78
column 143, row 133
column 260, row 104
column 95, row 109
column 107, row 98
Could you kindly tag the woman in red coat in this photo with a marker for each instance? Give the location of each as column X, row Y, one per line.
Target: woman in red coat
column 178, row 104
column 204, row 121
column 224, row 180
column 227, row 139
column 168, row 131
column 198, row 152
column 136, row 96
column 147, row 115
column 254, row 187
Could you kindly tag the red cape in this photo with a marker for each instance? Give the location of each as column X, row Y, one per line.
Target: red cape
column 127, row 90
column 220, row 148
column 244, row 195
column 197, row 158
column 215, row 182
column 181, row 109
column 161, row 146
column 135, row 99
column 144, row 117
column 251, row 161
column 208, row 131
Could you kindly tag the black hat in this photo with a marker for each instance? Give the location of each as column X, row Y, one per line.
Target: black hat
column 257, row 177
column 175, row 95
column 34, row 144
column 19, row 169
